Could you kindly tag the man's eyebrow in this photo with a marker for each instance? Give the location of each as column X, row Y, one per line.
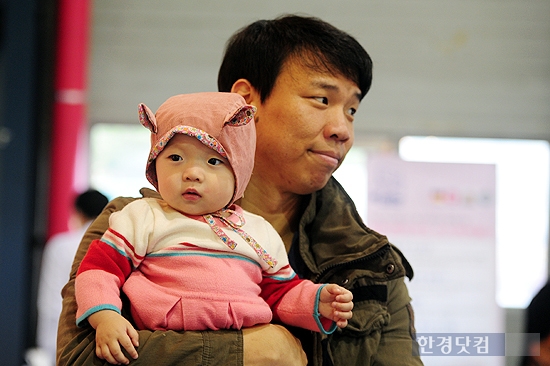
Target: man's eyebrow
column 328, row 86
column 324, row 85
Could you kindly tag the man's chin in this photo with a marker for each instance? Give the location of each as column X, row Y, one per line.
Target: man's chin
column 315, row 183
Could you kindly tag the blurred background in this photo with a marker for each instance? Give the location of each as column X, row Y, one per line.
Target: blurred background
column 458, row 114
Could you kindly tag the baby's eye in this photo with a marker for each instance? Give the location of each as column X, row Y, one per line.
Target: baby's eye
column 323, row 100
column 215, row 161
column 352, row 111
column 175, row 157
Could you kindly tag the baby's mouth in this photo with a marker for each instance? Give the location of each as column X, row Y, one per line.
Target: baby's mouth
column 191, row 194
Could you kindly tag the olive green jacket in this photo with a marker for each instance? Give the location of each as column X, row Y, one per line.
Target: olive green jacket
column 335, row 246
column 332, row 246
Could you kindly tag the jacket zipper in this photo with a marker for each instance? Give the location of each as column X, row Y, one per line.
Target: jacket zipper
column 380, row 252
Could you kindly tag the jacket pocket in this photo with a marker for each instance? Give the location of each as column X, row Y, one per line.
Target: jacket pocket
column 370, row 312
column 356, row 344
column 368, row 316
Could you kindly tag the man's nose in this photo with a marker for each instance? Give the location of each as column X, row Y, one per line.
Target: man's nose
column 338, row 127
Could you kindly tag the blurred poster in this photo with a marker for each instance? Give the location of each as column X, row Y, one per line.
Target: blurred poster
column 431, row 199
column 442, row 217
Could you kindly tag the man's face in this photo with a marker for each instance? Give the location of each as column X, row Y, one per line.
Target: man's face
column 304, row 128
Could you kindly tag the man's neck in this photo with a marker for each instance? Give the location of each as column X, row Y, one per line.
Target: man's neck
column 281, row 210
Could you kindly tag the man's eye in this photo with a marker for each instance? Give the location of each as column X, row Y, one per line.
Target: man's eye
column 214, row 161
column 323, row 100
column 352, row 111
column 175, row 157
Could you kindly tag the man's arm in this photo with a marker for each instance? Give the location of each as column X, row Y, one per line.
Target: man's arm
column 397, row 345
column 76, row 346
column 377, row 334
column 271, row 344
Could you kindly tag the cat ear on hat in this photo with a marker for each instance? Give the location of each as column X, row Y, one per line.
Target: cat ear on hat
column 147, row 118
column 241, row 116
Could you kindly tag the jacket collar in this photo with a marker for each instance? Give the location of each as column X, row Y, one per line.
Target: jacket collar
column 331, row 233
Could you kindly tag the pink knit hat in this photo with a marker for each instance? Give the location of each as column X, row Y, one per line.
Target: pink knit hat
column 221, row 121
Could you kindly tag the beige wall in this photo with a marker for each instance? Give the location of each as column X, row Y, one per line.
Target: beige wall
column 449, row 68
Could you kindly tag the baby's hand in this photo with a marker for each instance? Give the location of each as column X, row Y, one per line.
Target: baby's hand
column 113, row 331
column 335, row 304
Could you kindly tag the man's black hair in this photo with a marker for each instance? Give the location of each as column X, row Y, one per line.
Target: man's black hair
column 258, row 51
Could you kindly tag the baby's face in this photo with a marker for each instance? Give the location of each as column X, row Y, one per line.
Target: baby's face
column 193, row 178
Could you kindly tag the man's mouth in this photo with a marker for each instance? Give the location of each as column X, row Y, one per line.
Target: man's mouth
column 329, row 157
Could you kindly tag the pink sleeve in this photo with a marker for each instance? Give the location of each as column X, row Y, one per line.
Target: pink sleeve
column 296, row 302
column 110, row 260
column 98, row 280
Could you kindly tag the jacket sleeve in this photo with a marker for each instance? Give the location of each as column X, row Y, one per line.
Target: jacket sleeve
column 76, row 346
column 397, row 344
column 390, row 332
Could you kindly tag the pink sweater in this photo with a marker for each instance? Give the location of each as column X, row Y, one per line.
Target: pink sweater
column 179, row 275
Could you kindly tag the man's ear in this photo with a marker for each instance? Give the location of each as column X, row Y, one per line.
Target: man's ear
column 247, row 91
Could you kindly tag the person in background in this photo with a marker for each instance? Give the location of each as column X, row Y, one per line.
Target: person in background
column 306, row 79
column 57, row 259
column 538, row 322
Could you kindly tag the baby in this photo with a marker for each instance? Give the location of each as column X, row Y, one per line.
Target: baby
column 193, row 259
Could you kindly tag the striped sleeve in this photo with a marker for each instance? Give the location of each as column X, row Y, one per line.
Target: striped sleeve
column 293, row 301
column 110, row 260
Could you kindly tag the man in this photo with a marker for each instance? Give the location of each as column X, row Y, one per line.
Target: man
column 306, row 79
column 537, row 322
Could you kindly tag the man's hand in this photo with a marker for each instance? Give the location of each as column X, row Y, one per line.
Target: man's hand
column 273, row 345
